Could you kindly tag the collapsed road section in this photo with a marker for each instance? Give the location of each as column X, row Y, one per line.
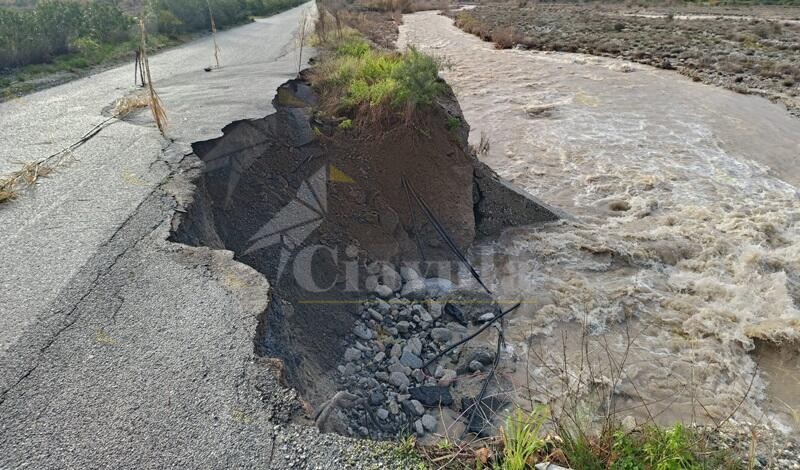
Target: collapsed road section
column 328, row 213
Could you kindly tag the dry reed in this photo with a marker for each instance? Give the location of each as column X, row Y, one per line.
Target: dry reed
column 156, row 106
column 301, row 37
column 128, row 104
column 27, row 176
column 213, row 33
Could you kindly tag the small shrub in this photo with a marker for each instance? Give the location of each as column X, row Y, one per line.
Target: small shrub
column 346, row 124
column 469, row 23
column 85, row 45
column 505, row 38
column 418, row 76
column 453, row 123
column 353, row 47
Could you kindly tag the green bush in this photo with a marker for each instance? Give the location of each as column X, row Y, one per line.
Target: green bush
column 353, row 47
column 354, row 75
column 418, row 77
column 85, row 45
column 57, row 27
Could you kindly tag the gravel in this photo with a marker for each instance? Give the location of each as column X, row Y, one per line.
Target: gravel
column 399, row 380
column 384, row 370
column 429, row 422
column 441, row 335
column 411, row 360
column 352, row 354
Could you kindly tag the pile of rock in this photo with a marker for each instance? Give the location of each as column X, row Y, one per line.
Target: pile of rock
column 408, row 324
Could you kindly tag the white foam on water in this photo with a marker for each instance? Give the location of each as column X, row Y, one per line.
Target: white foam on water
column 682, row 232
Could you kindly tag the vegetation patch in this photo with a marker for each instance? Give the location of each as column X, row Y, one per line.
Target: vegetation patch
column 524, row 443
column 353, row 76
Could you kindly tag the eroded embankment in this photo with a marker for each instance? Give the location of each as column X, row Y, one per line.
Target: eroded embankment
column 311, row 205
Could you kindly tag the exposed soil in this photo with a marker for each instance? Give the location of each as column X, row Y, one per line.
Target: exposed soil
column 756, row 53
column 312, row 206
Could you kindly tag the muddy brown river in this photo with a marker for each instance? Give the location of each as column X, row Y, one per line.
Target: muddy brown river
column 673, row 293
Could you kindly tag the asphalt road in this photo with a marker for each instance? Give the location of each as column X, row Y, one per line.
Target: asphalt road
column 118, row 348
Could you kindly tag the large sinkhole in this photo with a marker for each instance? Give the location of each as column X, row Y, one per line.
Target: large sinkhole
column 357, row 231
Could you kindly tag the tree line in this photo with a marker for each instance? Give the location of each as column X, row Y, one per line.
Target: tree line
column 57, row 27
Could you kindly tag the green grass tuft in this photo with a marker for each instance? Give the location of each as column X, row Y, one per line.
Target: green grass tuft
column 521, row 436
column 611, row 448
column 353, row 47
column 355, row 76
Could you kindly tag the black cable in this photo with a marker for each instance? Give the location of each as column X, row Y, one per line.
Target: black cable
column 478, row 405
column 480, row 330
column 443, row 233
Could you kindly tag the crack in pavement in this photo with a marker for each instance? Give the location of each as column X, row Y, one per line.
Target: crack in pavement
column 91, row 287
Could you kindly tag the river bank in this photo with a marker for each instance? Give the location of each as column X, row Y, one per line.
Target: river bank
column 756, row 55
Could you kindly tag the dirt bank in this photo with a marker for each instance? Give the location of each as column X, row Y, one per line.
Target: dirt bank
column 757, row 56
column 311, row 205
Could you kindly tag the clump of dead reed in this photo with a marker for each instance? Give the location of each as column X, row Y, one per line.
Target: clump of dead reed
column 27, row 176
column 127, row 104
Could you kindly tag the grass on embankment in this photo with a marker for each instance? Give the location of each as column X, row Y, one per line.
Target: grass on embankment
column 357, row 81
column 523, row 443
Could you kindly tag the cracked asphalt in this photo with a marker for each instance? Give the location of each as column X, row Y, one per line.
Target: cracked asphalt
column 118, row 348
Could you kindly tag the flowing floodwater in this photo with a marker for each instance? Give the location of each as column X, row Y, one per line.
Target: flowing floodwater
column 682, row 260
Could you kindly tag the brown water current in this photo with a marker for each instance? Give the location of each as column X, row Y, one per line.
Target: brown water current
column 682, row 262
